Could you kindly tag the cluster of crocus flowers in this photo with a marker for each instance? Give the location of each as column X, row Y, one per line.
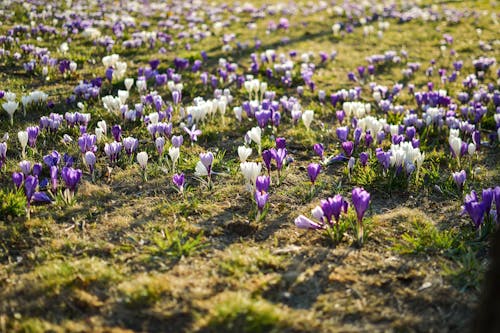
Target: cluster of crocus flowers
column 479, row 209
column 261, row 195
column 327, row 215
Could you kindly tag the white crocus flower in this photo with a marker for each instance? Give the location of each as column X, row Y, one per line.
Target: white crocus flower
column 174, row 153
column 307, row 118
column 129, row 82
column 456, row 145
column 10, row 107
column 255, row 134
column 250, row 171
column 142, row 159
column 23, row 140
column 471, row 149
column 244, row 153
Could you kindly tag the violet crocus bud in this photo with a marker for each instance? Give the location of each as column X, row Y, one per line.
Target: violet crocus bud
column 361, row 201
column 178, row 180
column 280, row 143
column 267, row 157
column 116, row 130
column 319, row 149
column 17, row 179
column 313, row 170
column 459, row 178
column 363, row 158
column 348, row 147
column 177, row 140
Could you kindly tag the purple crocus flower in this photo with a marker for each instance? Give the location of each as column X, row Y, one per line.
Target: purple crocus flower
column 37, row 169
column 279, row 156
column 263, row 117
column 476, row 138
column 178, row 180
column 193, row 133
column 267, row 156
column 363, row 157
column 71, row 177
column 340, row 116
column 41, row 198
column 496, row 192
column 33, row 132
column 474, row 208
column 25, row 167
column 116, row 130
column 303, row 222
column 90, row 159
column 261, row 200
column 112, row 150
column 130, row 145
column 342, row 133
column 459, row 178
column 280, row 143
column 487, row 200
column 30, row 185
column 262, row 183
column 313, row 170
column 87, row 143
column 207, row 159
column 177, row 141
column 18, row 178
column 348, row 147
column 52, row 159
column 53, row 178
column 361, row 201
column 319, row 149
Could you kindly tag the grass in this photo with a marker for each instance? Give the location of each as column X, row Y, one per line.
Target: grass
column 424, row 238
column 135, row 255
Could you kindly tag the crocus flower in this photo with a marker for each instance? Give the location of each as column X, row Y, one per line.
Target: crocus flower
column 10, row 107
column 71, row 178
column 25, row 167
column 130, row 145
column 319, row 149
column 250, row 171
column 90, row 160
column 262, row 183
column 53, row 178
column 174, row 153
column 178, row 180
column 52, row 159
column 193, row 133
column 348, row 147
column 30, row 185
column 313, row 170
column 33, row 132
column 23, row 140
column 474, row 208
column 280, row 143
column 17, row 179
column 303, row 222
column 116, row 130
column 363, row 157
column 342, row 133
column 177, row 140
column 41, row 198
column 307, row 118
column 112, row 150
column 261, row 200
column 361, row 201
column 459, row 178
column 255, row 134
column 159, row 144
column 267, row 156
column 3, row 153
column 142, row 159
column 487, row 200
column 244, row 153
